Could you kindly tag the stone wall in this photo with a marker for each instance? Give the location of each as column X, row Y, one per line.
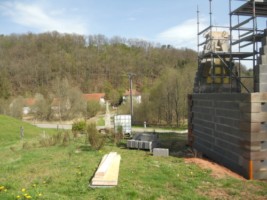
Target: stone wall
column 231, row 129
column 261, row 68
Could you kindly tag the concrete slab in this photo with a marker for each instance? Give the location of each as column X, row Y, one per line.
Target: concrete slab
column 161, row 152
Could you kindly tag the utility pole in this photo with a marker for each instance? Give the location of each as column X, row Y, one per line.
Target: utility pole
column 130, row 75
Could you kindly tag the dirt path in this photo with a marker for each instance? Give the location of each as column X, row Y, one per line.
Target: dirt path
column 218, row 171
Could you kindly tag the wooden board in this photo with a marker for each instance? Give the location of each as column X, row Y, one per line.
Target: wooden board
column 105, row 163
column 110, row 177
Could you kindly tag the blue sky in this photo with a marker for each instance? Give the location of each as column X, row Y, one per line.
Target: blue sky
column 158, row 21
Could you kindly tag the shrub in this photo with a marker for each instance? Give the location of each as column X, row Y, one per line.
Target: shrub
column 79, row 126
column 92, row 108
column 26, row 145
column 66, row 139
column 118, row 136
column 114, row 137
column 95, row 138
column 59, row 138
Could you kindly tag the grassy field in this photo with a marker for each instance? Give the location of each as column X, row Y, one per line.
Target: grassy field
column 31, row 170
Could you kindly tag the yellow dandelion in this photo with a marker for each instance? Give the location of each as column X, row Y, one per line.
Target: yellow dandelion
column 28, row 197
column 40, row 194
column 2, row 188
column 23, row 190
column 18, row 197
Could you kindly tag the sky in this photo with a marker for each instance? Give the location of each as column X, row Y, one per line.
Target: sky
column 171, row 22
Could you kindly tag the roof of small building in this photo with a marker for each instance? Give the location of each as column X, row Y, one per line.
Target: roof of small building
column 29, row 101
column 134, row 93
column 93, row 96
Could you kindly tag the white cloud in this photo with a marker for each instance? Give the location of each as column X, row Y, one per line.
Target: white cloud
column 182, row 35
column 36, row 17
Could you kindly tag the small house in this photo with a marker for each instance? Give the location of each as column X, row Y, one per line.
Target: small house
column 99, row 97
column 27, row 104
column 136, row 96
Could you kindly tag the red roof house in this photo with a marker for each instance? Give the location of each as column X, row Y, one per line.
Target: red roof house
column 100, row 97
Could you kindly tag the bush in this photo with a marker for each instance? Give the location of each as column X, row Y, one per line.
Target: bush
column 92, row 108
column 95, row 138
column 59, row 138
column 118, row 136
column 66, row 139
column 79, row 126
column 114, row 137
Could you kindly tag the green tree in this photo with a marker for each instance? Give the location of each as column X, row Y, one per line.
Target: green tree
column 41, row 108
column 16, row 107
column 5, row 87
column 93, row 107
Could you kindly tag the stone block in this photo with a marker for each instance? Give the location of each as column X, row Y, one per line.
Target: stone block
column 226, row 145
column 254, row 117
column 203, row 129
column 260, row 155
column 160, row 152
column 227, row 137
column 258, row 97
column 250, row 107
column 263, row 78
column 259, row 165
column 145, row 145
column 263, row 50
column 130, row 144
column 263, row 87
column 203, row 136
column 264, row 41
column 263, row 126
column 228, row 113
column 263, row 59
column 258, row 136
column 263, row 69
column 231, row 129
column 227, row 105
column 249, row 127
column 227, row 122
column 260, row 175
column 204, row 123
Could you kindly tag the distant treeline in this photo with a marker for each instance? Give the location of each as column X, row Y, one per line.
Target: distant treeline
column 36, row 63
column 31, row 63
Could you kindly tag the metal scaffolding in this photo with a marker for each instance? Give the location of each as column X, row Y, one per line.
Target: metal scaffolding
column 246, row 30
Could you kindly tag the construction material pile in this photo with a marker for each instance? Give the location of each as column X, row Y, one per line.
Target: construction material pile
column 143, row 141
column 108, row 171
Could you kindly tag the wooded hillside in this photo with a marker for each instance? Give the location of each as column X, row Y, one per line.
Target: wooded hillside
column 37, row 63
column 31, row 63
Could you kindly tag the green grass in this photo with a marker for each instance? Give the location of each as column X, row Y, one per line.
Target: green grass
column 63, row 172
column 10, row 130
column 100, row 122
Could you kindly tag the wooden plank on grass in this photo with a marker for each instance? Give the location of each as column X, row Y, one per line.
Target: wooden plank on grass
column 111, row 176
column 105, row 163
column 110, row 166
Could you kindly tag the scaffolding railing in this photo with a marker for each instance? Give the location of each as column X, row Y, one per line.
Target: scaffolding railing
column 245, row 26
column 246, row 30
